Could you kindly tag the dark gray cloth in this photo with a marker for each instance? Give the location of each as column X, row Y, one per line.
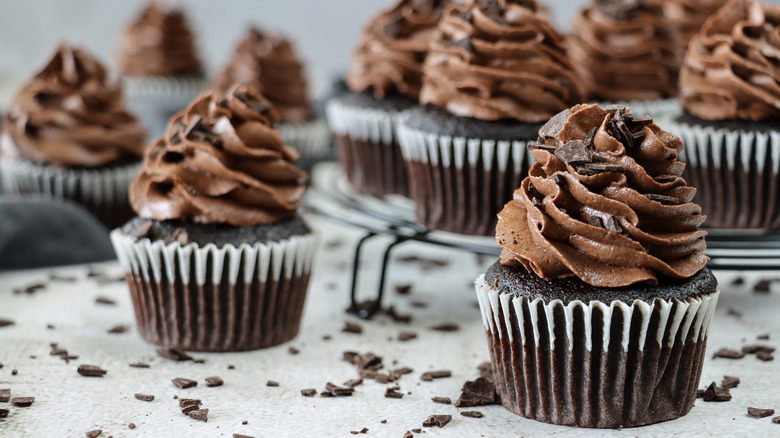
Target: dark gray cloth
column 37, row 232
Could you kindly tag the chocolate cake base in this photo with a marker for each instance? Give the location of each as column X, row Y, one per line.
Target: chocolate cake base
column 589, row 362
column 462, row 171
column 735, row 167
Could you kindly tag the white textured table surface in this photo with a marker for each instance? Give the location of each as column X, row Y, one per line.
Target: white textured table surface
column 68, row 404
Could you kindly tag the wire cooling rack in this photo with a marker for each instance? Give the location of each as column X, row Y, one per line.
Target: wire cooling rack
column 332, row 197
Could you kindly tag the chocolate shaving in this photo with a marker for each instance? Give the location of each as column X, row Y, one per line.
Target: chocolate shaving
column 310, row 392
column 430, row 375
column 403, row 289
column 22, row 402
column 339, row 390
column 663, row 179
column 6, row 322
column 760, row 413
column 94, row 433
column 211, row 382
column 479, row 392
column 4, row 413
column 590, row 169
column 5, row 395
column 663, row 199
column 293, row 350
column 353, row 382
column 574, row 152
column 446, row 327
column 352, row 328
column 713, row 393
column 199, row 414
column 729, row 382
column 91, row 371
column 442, row 400
column 118, row 329
column 406, row 336
column 106, row 301
column 174, row 354
column 272, row 383
column 139, row 365
column 728, row 354
column 31, row 289
column 472, row 414
column 437, row 421
column 393, row 393
column 776, row 420
column 183, row 383
column 755, row 349
column 144, row 397
column 764, row 356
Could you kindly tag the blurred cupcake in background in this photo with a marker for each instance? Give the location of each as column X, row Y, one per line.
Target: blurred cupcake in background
column 218, row 259
column 627, row 52
column 269, row 63
column 159, row 64
column 496, row 70
column 731, row 100
column 687, row 16
column 68, row 135
column 385, row 78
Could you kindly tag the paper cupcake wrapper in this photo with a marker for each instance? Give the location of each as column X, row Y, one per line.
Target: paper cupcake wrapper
column 311, row 139
column 662, row 110
column 159, row 88
column 217, row 299
column 367, row 148
column 737, row 175
column 460, row 184
column 102, row 191
column 596, row 364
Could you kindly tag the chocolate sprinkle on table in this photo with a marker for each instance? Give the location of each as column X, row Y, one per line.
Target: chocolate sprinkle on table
column 131, row 425
column 763, row 337
column 430, row 375
column 238, row 435
column 472, row 414
column 442, row 400
column 729, row 382
column 214, row 381
column 403, row 289
column 353, row 382
column 446, row 327
column 408, row 434
column 765, row 356
column 94, row 433
column 183, row 383
column 139, row 365
column 310, row 392
column 91, row 371
column 272, row 383
column 118, row 329
column 293, row 350
column 200, row 415
column 144, row 397
column 728, row 354
column 14, row 372
column 437, row 421
column 22, row 402
column 5, row 395
column 713, row 393
column 479, row 392
column 393, row 393
column 776, row 420
column 106, row 301
column 760, row 413
column 4, row 413
column 5, row 322
column 406, row 336
column 352, row 328
column 339, row 390
column 174, row 354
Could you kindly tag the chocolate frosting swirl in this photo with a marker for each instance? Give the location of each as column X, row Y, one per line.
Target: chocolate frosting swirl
column 269, row 63
column 732, row 68
column 395, row 44
column 70, row 115
column 159, row 43
column 604, row 202
column 496, row 60
column 625, row 50
column 221, row 161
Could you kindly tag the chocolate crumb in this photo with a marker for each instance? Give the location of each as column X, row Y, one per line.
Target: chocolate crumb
column 31, row 289
column 106, row 301
column 479, row 392
column 353, row 382
column 755, row 349
column 118, row 329
column 762, row 286
column 5, row 322
column 131, row 426
column 364, row 430
column 763, row 337
column 174, row 354
column 728, row 354
column 442, row 400
column 776, row 420
column 293, row 350
column 238, row 435
column 91, row 371
column 200, row 415
column 339, row 390
column 22, row 402
column 403, row 289
column 446, row 327
column 418, row 304
column 327, row 337
column 760, row 413
column 139, row 365
column 383, row 421
column 183, row 383
column 430, row 375
column 14, row 372
column 417, row 430
column 437, row 421
column 472, row 414
column 94, row 433
column 716, row 394
column 231, row 367
column 405, row 336
column 144, row 397
column 4, row 413
column 408, row 434
column 272, row 383
column 352, row 328
column 397, row 317
column 393, row 393
column 244, row 422
column 5, row 395
column 214, row 381
column 764, row 356
column 311, row 392
column 729, row 382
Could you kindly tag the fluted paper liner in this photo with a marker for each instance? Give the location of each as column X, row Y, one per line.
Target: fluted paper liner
column 310, row 139
column 597, row 364
column 217, row 299
column 102, row 191
column 368, row 149
column 736, row 173
column 460, row 184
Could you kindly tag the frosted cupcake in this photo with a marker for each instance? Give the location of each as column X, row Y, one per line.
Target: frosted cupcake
column 385, row 79
column 269, row 63
column 496, row 70
column 598, row 311
column 68, row 135
column 728, row 89
column 218, row 258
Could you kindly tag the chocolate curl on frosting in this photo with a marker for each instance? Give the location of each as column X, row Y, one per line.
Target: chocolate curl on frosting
column 70, row 115
column 394, row 46
column 159, row 43
column 732, row 68
column 221, row 161
column 268, row 63
column 604, row 202
column 496, row 60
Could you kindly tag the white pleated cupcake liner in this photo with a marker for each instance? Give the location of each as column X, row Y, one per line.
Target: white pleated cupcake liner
column 736, row 173
column 213, row 298
column 179, row 89
column 102, row 191
column 368, row 149
column 460, row 184
column 596, row 364
column 311, row 139
column 662, row 110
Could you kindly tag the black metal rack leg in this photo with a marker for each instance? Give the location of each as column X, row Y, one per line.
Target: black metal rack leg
column 376, row 306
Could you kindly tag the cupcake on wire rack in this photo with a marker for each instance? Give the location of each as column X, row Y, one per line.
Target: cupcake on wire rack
column 384, row 79
column 495, row 71
column 218, row 258
column 269, row 63
column 67, row 134
column 731, row 102
column 598, row 311
column 158, row 61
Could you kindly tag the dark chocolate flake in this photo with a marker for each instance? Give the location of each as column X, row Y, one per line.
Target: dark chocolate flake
column 293, row 350
column 446, row 327
column 91, row 371
column 353, row 382
column 5, row 395
column 663, row 199
column 94, row 433
column 574, row 152
column 352, row 328
column 310, row 392
column 238, row 435
column 729, row 382
column 776, row 420
column 174, row 354
column 144, row 397
column 106, row 301
column 479, row 392
column 272, row 383
column 472, row 414
column 183, row 383
column 139, row 365
column 4, row 413
column 760, row 413
column 214, row 381
column 393, row 393
column 713, row 393
column 200, row 415
column 430, row 375
column 339, row 390
column 729, row 354
column 764, row 356
column 403, row 289
column 6, row 322
column 22, row 402
column 442, row 400
column 119, row 329
column 437, row 421
column 406, row 336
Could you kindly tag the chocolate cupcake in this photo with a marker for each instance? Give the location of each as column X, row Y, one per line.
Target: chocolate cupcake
column 269, row 63
column 159, row 63
column 218, row 259
column 495, row 71
column 687, row 16
column 728, row 89
column 385, row 79
column 598, row 311
column 626, row 51
column 68, row 135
